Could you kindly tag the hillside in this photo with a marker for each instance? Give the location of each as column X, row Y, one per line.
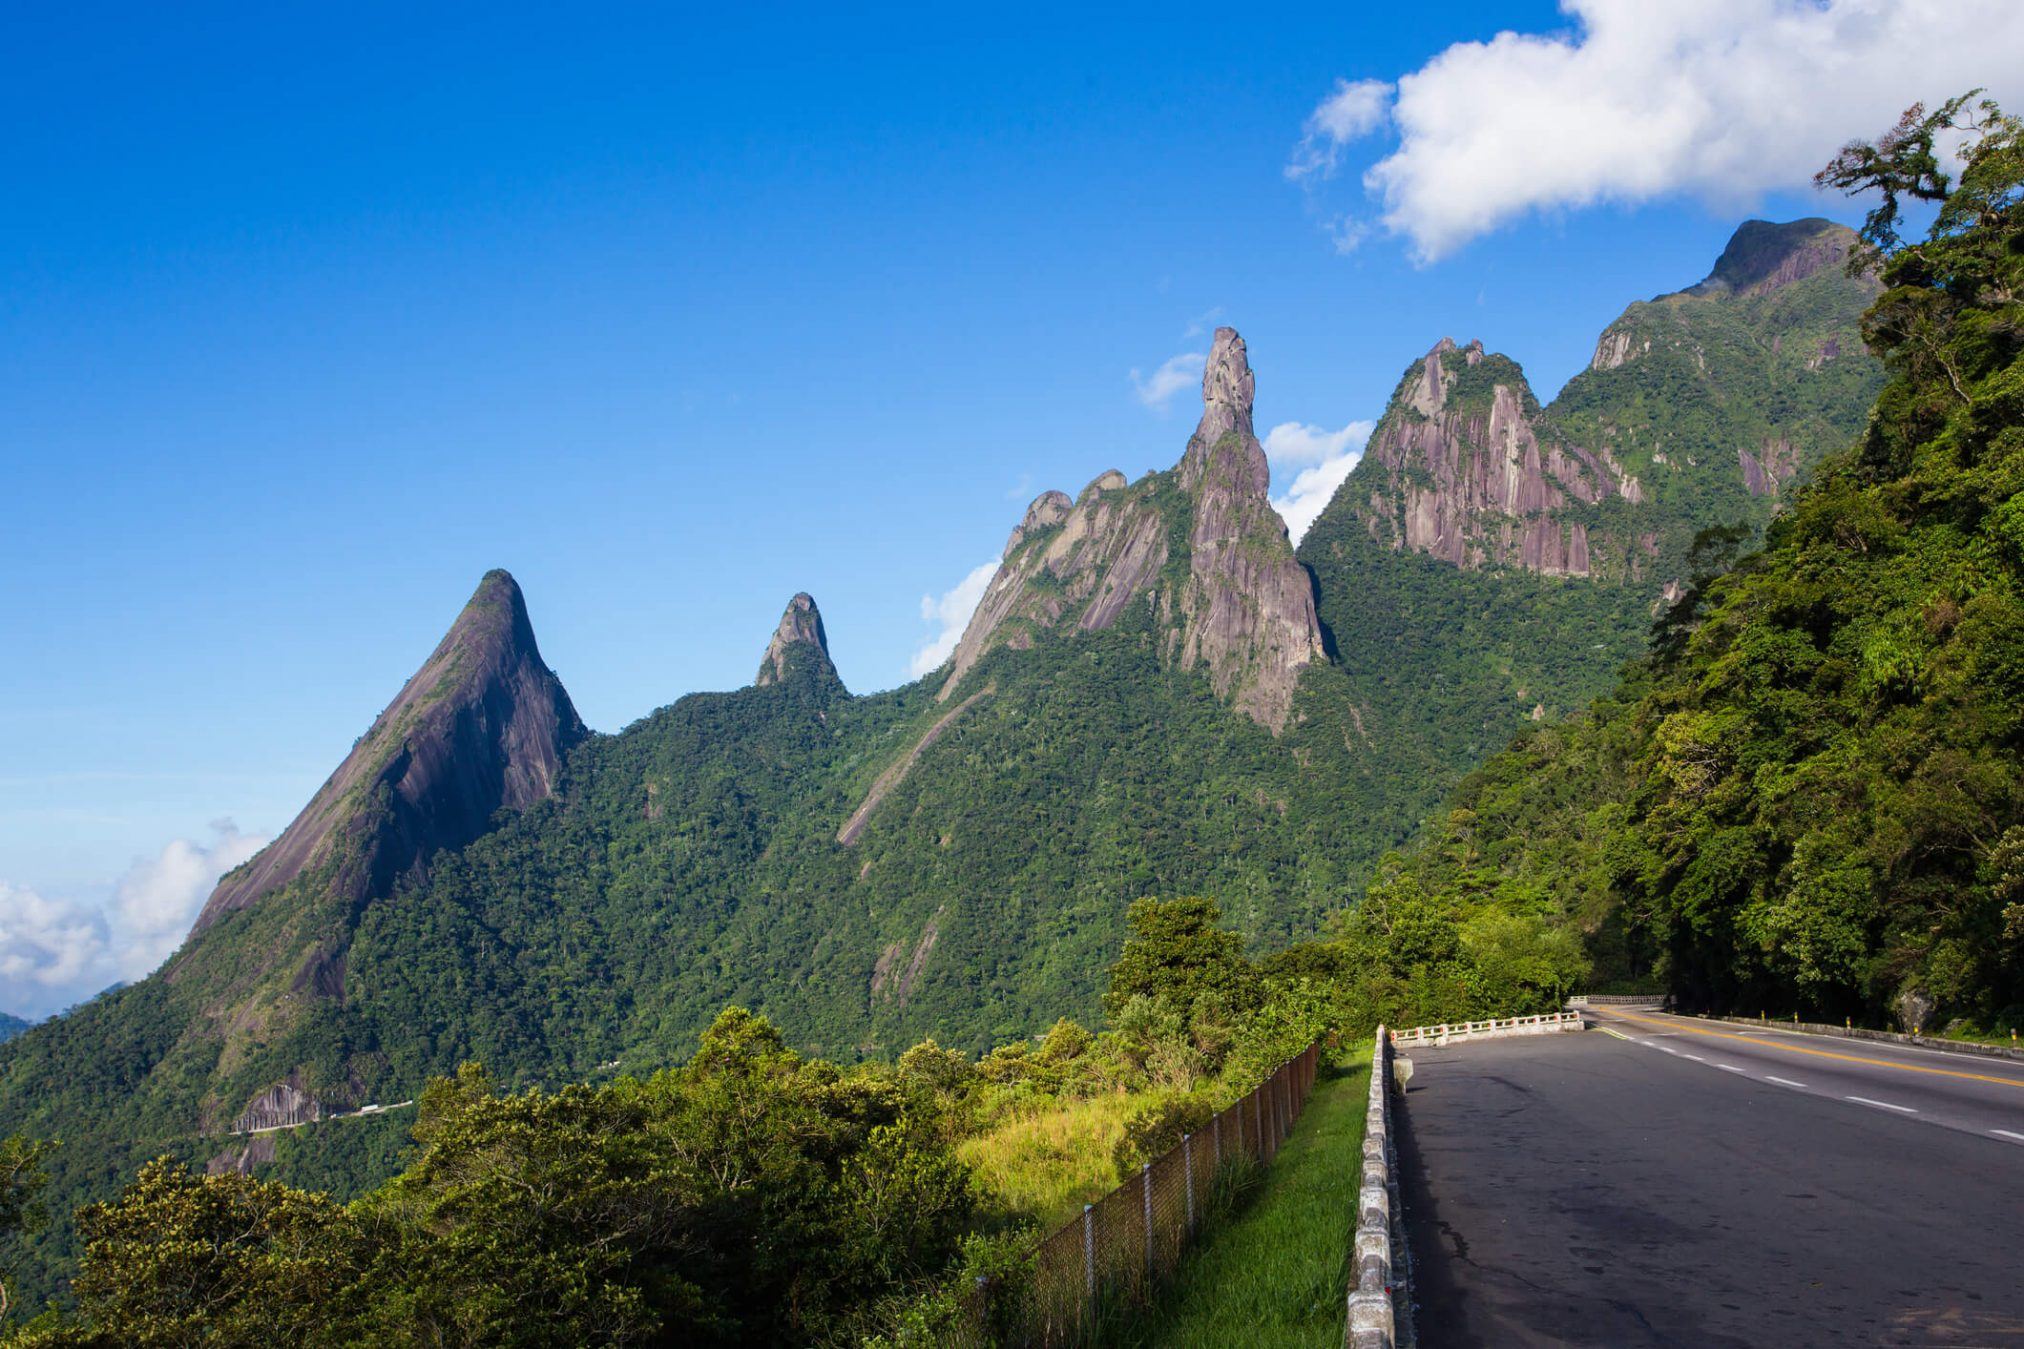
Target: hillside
column 1811, row 797
column 1492, row 562
column 11, row 1026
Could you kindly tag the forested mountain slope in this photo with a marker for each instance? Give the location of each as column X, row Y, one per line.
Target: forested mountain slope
column 1491, row 561
column 1811, row 797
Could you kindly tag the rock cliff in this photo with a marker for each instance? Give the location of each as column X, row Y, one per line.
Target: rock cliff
column 1459, row 470
column 798, row 639
column 1237, row 604
column 484, row 724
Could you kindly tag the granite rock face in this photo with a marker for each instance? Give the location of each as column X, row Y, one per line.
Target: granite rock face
column 1247, row 610
column 1459, row 470
column 484, row 724
column 799, row 637
column 1242, row 607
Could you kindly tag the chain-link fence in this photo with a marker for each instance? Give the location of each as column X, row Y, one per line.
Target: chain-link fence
column 1125, row 1243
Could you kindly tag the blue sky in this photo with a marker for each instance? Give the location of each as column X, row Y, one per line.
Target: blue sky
column 307, row 322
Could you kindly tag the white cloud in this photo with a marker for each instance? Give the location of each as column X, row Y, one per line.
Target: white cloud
column 950, row 613
column 1642, row 99
column 47, row 948
column 1350, row 112
column 1324, row 457
column 55, row 951
column 156, row 901
column 1175, row 374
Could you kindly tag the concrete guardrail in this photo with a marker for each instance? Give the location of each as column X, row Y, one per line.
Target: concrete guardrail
column 1380, row 1295
column 1547, row 1023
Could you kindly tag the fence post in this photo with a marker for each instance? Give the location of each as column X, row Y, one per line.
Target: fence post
column 1146, row 1188
column 1218, row 1144
column 1089, row 1262
column 1188, row 1166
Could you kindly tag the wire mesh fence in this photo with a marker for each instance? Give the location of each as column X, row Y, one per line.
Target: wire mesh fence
column 1122, row 1246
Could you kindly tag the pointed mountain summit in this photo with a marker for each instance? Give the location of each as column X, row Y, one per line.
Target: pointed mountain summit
column 798, row 642
column 1201, row 543
column 483, row 724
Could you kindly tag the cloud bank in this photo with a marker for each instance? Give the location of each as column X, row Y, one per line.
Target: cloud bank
column 1642, row 99
column 1323, row 459
column 55, row 951
column 949, row 612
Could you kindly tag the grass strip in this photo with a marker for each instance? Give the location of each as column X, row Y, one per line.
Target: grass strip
column 1276, row 1270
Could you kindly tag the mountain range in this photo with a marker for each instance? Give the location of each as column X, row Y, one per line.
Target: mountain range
column 1156, row 695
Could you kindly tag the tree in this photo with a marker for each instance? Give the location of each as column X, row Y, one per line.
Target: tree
column 1179, row 955
column 182, row 1259
column 21, row 1181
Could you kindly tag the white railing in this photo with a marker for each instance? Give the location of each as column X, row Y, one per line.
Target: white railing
column 1547, row 1023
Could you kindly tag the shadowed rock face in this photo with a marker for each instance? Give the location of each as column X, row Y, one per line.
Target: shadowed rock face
column 484, row 724
column 1245, row 608
column 800, row 634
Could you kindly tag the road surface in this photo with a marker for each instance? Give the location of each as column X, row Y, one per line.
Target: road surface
column 1668, row 1181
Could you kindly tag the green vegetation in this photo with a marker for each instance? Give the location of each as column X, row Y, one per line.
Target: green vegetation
column 749, row 1196
column 1811, row 792
column 11, row 1026
column 21, row 1182
column 1276, row 1271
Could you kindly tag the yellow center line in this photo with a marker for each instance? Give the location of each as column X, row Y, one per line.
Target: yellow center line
column 1820, row 1053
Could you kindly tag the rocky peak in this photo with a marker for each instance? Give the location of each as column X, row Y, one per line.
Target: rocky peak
column 799, row 634
column 1764, row 255
column 1244, row 610
column 1223, row 439
column 1460, row 470
column 484, row 724
column 1049, row 509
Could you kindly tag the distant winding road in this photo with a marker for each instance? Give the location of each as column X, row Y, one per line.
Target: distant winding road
column 1662, row 1180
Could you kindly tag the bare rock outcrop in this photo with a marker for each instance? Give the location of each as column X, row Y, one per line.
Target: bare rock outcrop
column 1458, row 470
column 484, row 724
column 1245, row 609
column 1775, row 463
column 798, row 638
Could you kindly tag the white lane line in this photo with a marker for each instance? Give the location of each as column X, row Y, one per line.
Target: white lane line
column 1728, row 1067
column 1695, row 1057
column 1670, row 1050
column 1881, row 1105
column 1785, row 1082
column 2005, row 1133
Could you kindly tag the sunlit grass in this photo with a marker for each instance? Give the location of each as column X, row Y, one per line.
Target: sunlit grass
column 1046, row 1165
column 1277, row 1271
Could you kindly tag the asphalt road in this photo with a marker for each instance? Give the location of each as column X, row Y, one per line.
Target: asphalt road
column 1702, row 1184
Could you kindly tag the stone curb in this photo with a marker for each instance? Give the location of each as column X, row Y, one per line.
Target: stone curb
column 1373, row 1318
